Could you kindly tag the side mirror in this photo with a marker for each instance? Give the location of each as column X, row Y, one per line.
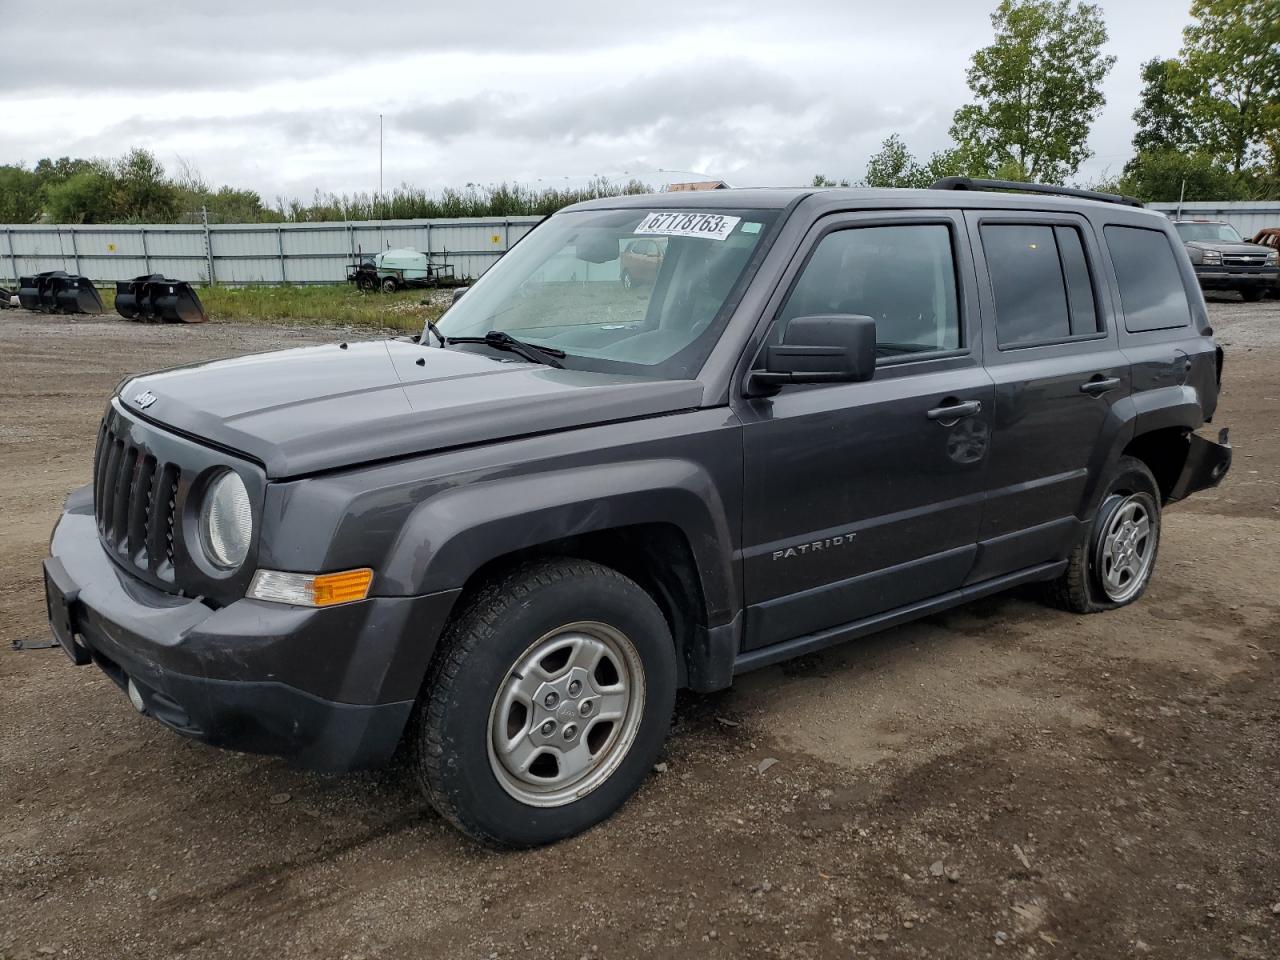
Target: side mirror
column 457, row 294
column 837, row 348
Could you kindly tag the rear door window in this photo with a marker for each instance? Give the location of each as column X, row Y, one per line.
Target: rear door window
column 1043, row 288
column 1151, row 292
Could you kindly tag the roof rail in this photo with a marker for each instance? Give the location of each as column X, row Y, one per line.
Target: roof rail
column 976, row 183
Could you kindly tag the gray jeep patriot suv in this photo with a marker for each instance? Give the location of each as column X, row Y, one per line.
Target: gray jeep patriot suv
column 506, row 543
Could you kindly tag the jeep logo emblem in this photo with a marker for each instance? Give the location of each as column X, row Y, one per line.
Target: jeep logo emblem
column 145, row 399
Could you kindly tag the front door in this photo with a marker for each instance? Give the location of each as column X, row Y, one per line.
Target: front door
column 865, row 497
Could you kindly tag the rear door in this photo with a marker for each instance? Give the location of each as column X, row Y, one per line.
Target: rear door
column 1175, row 366
column 864, row 497
column 1050, row 344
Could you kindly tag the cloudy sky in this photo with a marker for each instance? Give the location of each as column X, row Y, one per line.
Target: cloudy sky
column 284, row 97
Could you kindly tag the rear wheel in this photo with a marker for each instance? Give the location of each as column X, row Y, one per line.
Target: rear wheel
column 1114, row 565
column 547, row 704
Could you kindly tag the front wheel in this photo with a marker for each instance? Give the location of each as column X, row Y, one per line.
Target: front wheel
column 389, row 285
column 1252, row 294
column 547, row 704
column 1114, row 565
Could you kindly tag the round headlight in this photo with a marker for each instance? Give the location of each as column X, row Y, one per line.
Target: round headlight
column 226, row 523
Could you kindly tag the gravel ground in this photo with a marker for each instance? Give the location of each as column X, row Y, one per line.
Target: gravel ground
column 1000, row 780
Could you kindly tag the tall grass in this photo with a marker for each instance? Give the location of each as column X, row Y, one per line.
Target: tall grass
column 341, row 305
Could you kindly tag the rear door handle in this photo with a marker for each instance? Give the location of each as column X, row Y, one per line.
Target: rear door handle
column 1096, row 388
column 955, row 411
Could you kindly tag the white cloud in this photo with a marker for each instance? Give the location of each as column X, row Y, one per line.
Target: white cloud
column 285, row 99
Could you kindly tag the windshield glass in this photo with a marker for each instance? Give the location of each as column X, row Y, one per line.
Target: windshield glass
column 624, row 291
column 1212, row 232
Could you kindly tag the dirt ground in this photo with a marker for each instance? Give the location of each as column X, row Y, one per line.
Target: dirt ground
column 1002, row 780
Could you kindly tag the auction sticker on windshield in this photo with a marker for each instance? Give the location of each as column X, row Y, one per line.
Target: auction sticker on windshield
column 709, row 226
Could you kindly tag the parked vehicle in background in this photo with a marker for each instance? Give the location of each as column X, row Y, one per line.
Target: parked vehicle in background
column 510, row 540
column 393, row 270
column 1270, row 237
column 641, row 260
column 1223, row 260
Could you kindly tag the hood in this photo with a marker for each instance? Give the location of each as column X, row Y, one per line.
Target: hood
column 1231, row 249
column 315, row 408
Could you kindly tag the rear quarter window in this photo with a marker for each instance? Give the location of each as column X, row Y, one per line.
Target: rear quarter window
column 1152, row 296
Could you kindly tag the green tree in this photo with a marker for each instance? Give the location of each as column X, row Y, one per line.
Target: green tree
column 86, row 197
column 143, row 193
column 1160, row 175
column 19, row 195
column 1037, row 89
column 1164, row 113
column 894, row 166
column 1231, row 52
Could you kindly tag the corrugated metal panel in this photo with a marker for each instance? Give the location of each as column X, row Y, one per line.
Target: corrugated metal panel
column 250, row 253
column 1247, row 216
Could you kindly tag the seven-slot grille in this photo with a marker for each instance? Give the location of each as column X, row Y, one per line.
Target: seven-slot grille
column 134, row 501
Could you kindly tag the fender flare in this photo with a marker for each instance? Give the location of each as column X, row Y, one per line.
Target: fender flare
column 456, row 532
column 1133, row 417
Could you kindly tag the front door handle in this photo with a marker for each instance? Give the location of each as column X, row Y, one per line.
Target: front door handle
column 955, row 411
column 1096, row 388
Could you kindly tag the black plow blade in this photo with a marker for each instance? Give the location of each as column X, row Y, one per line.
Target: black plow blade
column 158, row 299
column 56, row 291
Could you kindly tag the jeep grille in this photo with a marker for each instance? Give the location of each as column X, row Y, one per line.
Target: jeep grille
column 135, row 502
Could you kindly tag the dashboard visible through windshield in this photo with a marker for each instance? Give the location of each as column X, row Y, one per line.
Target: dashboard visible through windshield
column 634, row 291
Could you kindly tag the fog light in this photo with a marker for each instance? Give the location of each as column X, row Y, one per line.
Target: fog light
column 311, row 589
column 135, row 697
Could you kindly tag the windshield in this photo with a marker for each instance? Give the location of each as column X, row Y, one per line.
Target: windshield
column 1212, row 232
column 623, row 291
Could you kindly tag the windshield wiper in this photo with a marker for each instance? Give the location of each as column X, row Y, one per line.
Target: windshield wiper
column 505, row 341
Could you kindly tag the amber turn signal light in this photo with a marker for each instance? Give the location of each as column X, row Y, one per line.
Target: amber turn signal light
column 311, row 589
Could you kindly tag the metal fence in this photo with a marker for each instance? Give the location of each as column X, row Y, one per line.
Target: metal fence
column 241, row 253
column 320, row 252
column 1247, row 216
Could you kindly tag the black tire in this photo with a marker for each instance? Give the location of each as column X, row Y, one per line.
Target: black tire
column 451, row 731
column 1252, row 294
column 1080, row 588
column 389, row 285
column 366, row 283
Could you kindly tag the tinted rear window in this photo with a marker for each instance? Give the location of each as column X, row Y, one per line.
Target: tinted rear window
column 1151, row 291
column 1042, row 285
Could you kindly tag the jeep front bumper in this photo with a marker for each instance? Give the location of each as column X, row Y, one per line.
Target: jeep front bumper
column 330, row 689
